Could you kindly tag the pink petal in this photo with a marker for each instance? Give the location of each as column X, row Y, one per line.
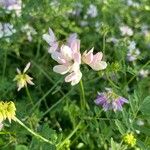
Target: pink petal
column 88, row 57
column 77, row 57
column 75, row 45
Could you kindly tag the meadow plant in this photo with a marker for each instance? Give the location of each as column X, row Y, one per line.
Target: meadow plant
column 92, row 45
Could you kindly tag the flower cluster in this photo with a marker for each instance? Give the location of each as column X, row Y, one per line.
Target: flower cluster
column 7, row 111
column 129, row 139
column 6, row 30
column 69, row 57
column 10, row 5
column 126, row 31
column 133, row 52
column 110, row 100
column 29, row 30
column 22, row 78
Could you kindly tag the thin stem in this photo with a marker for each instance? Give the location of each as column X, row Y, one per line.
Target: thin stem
column 83, row 95
column 53, row 106
column 28, row 94
column 137, row 73
column 45, row 95
column 104, row 42
column 5, row 63
column 69, row 136
column 32, row 132
column 111, row 82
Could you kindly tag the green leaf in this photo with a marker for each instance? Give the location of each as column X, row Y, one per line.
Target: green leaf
column 145, row 107
column 21, row 147
column 120, row 126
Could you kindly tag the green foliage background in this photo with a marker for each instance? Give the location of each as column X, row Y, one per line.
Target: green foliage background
column 56, row 113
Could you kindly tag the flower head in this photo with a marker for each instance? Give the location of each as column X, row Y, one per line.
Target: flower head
column 94, row 61
column 126, row 31
column 22, row 78
column 69, row 58
column 129, row 139
column 7, row 111
column 12, row 5
column 109, row 100
column 92, row 11
column 144, row 73
column 6, row 30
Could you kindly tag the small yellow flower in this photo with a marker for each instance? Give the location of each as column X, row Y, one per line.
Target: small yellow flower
column 129, row 139
column 7, row 111
column 22, row 78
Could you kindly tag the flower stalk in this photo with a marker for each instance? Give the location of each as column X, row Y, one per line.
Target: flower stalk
column 32, row 132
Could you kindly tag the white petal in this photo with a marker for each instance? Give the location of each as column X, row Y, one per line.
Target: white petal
column 57, row 56
column 46, row 37
column 18, row 71
column 61, row 69
column 66, row 52
column 74, row 77
column 70, row 77
column 50, row 38
column 75, row 67
column 53, row 47
column 98, row 65
column 78, row 78
column 27, row 67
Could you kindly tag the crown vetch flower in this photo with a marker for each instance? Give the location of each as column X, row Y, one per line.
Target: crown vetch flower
column 129, row 139
column 109, row 100
column 22, row 78
column 69, row 57
column 7, row 111
column 94, row 61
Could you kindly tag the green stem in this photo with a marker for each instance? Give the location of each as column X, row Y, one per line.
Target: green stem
column 32, row 132
column 28, row 94
column 69, row 136
column 137, row 73
column 83, row 102
column 104, row 42
column 111, row 82
column 5, row 63
column 53, row 106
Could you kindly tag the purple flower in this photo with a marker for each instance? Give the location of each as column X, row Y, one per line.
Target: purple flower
column 109, row 100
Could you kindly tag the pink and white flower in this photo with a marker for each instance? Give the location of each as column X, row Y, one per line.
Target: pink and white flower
column 94, row 61
column 69, row 58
